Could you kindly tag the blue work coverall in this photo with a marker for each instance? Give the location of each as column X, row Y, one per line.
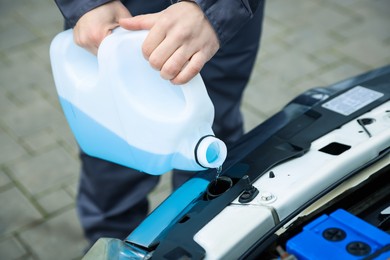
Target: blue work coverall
column 112, row 199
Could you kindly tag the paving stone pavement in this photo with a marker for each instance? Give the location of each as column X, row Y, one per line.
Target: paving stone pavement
column 306, row 43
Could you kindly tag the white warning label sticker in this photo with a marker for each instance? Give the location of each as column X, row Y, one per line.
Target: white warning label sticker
column 352, row 100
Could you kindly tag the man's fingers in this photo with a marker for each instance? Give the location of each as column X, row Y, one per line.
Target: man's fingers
column 90, row 41
column 145, row 22
column 190, row 70
column 175, row 63
column 139, row 22
column 95, row 25
column 152, row 41
column 163, row 51
column 180, row 40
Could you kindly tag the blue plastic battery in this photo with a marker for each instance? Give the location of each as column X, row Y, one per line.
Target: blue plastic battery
column 340, row 235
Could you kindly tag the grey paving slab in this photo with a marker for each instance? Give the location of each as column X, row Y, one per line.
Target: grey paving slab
column 5, row 103
column 8, row 6
column 291, row 66
column 41, row 50
column 23, row 69
column 32, row 118
column 55, row 200
column 24, row 96
column 11, row 249
column 4, row 179
column 321, row 19
column 265, row 94
column 161, row 191
column 72, row 188
column 42, row 25
column 364, row 26
column 15, row 35
column 286, row 11
column 367, row 51
column 305, row 83
column 10, row 149
column 65, row 136
column 58, row 238
column 273, row 28
column 372, row 9
column 270, row 48
column 327, row 57
column 309, row 40
column 252, row 118
column 341, row 71
column 42, row 140
column 17, row 212
column 44, row 171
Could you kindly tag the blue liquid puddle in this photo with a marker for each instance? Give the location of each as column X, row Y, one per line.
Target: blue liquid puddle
column 98, row 141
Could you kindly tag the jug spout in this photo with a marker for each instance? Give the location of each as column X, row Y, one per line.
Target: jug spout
column 210, row 152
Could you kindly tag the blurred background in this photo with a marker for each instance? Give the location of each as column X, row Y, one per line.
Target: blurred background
column 305, row 44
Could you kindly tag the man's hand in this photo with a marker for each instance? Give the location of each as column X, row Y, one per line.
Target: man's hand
column 95, row 25
column 181, row 40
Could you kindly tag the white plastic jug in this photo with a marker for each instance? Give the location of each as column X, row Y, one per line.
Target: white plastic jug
column 121, row 110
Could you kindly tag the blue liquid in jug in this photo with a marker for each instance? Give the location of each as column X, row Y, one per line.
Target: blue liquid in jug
column 98, row 141
column 212, row 152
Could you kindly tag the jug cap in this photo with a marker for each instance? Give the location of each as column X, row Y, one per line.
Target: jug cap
column 210, row 152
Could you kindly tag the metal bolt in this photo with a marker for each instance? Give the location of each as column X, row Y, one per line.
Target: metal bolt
column 266, row 196
column 358, row 248
column 334, row 234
